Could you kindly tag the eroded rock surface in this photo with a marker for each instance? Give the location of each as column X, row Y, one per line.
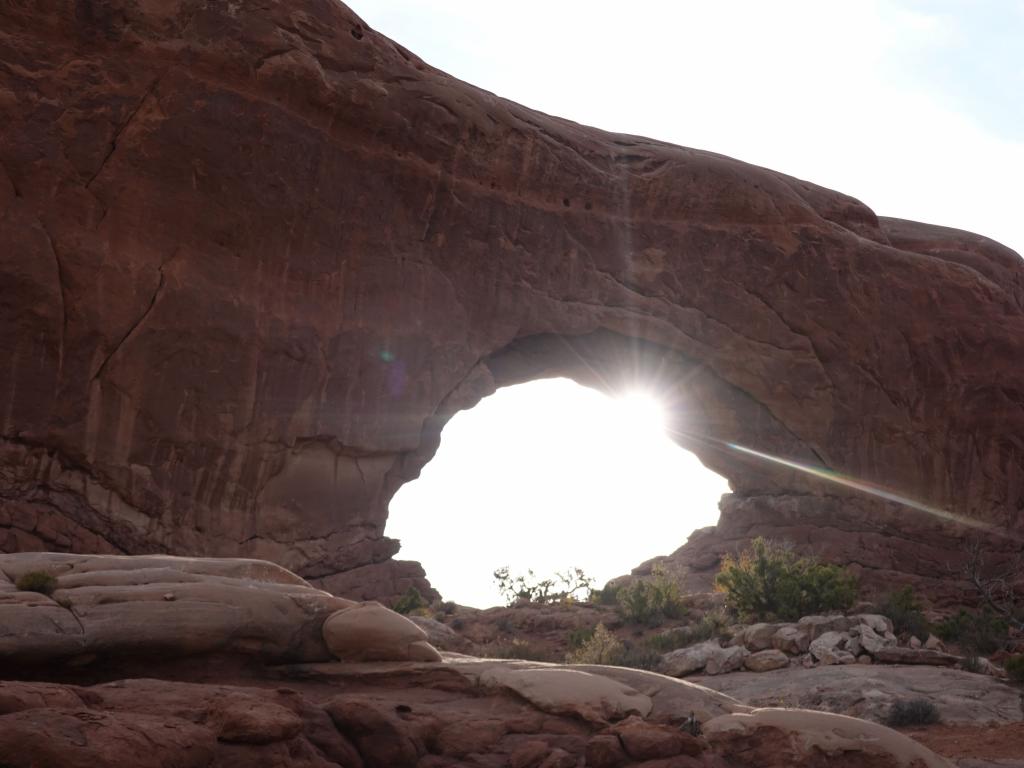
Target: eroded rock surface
column 869, row 691
column 108, row 608
column 255, row 256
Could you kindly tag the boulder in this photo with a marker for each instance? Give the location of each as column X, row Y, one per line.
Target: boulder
column 371, row 632
column 685, row 661
column 791, row 639
column 780, row 737
column 725, row 660
column 572, row 692
column 913, row 642
column 877, row 622
column 829, row 641
column 644, row 740
column 756, row 637
column 765, row 661
column 815, row 626
column 934, row 644
column 871, row 641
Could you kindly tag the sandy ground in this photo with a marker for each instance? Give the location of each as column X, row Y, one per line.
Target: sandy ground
column 986, row 743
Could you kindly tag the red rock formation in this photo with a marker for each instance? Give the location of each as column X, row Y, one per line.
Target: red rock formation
column 255, row 255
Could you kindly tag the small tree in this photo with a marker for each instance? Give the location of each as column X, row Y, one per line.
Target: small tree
column 768, row 580
column 996, row 587
column 562, row 588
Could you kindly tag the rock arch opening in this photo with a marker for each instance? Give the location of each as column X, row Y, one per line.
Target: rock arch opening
column 546, row 475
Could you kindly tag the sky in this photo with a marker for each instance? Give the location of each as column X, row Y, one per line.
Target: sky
column 916, row 107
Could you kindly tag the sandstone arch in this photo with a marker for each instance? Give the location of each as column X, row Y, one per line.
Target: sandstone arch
column 254, row 259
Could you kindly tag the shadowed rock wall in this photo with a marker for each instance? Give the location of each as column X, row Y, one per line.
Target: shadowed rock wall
column 253, row 255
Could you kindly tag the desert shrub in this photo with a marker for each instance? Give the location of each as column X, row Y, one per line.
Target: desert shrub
column 710, row 625
column 517, row 649
column 651, row 601
column 37, row 581
column 577, row 638
column 906, row 712
column 562, row 588
column 411, row 601
column 639, row 657
column 982, row 632
column 1015, row 668
column 602, row 648
column 770, row 581
column 609, row 595
column 903, row 608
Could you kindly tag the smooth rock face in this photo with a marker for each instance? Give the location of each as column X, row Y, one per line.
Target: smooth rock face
column 109, row 606
column 776, row 737
column 868, row 691
column 371, row 632
column 253, row 261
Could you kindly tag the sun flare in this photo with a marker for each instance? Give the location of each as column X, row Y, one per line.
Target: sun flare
column 640, row 413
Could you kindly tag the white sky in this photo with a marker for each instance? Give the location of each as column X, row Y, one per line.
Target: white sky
column 913, row 106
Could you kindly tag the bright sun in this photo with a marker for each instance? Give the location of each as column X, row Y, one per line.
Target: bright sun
column 640, row 414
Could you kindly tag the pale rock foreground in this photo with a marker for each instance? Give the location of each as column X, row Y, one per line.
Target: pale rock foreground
column 113, row 606
column 207, row 639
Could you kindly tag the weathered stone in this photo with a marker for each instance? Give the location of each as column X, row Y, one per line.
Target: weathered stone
column 685, row 661
column 569, row 691
column 791, row 639
column 643, row 740
column 725, row 660
column 756, row 637
column 870, row 640
column 764, row 661
column 779, row 737
column 605, row 751
column 934, row 644
column 827, row 643
column 247, row 720
column 307, row 288
column 108, row 606
column 880, row 624
column 460, row 739
column 371, row 632
column 815, row 626
column 868, row 691
column 914, row 643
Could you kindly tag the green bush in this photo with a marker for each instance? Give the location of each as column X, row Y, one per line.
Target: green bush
column 905, row 612
column 769, row 581
column 1015, row 668
column 906, row 712
column 651, row 601
column 577, row 638
column 982, row 632
column 411, row 601
column 37, row 581
column 607, row 596
column 711, row 625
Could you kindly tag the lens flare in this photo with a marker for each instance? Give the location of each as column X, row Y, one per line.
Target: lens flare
column 861, row 485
